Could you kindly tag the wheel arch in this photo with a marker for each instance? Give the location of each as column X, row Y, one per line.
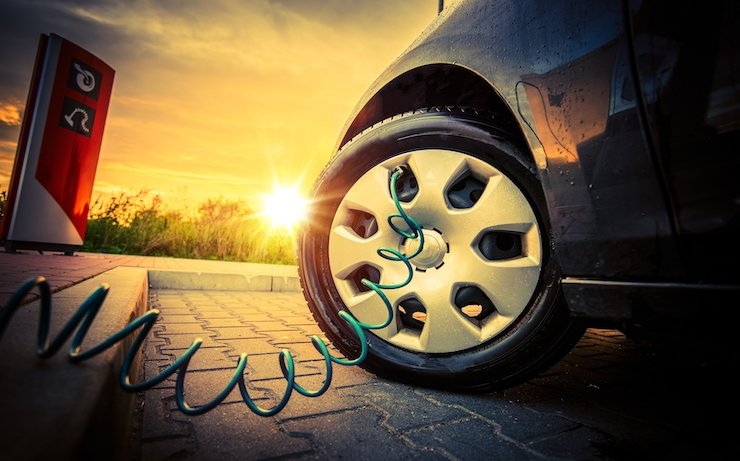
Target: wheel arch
column 433, row 85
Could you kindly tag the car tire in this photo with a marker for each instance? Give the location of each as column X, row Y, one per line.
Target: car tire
column 484, row 309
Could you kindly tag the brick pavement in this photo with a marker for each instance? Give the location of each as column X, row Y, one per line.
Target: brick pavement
column 611, row 398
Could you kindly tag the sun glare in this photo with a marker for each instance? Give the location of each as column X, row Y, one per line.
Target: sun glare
column 284, row 207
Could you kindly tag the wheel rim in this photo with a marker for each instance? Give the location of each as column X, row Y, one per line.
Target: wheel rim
column 481, row 261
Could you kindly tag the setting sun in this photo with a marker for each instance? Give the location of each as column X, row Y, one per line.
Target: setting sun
column 284, row 207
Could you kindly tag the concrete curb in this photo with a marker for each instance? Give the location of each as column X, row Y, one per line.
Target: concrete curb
column 57, row 410
column 192, row 280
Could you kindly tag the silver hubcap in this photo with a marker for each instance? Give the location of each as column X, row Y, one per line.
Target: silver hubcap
column 433, row 253
column 479, row 266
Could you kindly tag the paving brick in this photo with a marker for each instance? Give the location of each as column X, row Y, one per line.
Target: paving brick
column 223, row 322
column 153, row 368
column 589, row 363
column 256, row 316
column 333, row 401
column 157, row 422
column 351, row 376
column 232, row 431
column 528, row 393
column 305, row 350
column 607, row 333
column 211, row 359
column 263, row 366
column 178, row 343
column 591, row 350
column 580, row 443
column 199, row 299
column 511, row 419
column 202, row 387
column 208, row 309
column 250, row 346
column 311, row 329
column 290, row 336
column 469, row 438
column 215, row 314
column 172, row 304
column 170, row 318
column 174, row 295
column 178, row 311
column 271, row 326
column 183, row 328
column 241, row 332
column 274, row 389
column 298, row 321
column 245, row 309
column 333, row 436
column 153, row 349
column 407, row 410
column 604, row 420
column 208, row 391
column 170, row 448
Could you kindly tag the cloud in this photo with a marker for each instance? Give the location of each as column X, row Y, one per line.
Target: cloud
column 224, row 95
column 22, row 23
column 186, row 176
column 6, row 166
column 10, row 114
column 8, row 138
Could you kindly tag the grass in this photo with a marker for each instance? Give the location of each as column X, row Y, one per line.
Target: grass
column 137, row 224
column 3, row 200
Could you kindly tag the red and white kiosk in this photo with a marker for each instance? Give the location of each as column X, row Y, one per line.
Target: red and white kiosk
column 58, row 147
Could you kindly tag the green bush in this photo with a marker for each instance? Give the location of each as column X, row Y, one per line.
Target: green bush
column 222, row 230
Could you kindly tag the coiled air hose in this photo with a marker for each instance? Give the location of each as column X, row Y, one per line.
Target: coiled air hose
column 83, row 317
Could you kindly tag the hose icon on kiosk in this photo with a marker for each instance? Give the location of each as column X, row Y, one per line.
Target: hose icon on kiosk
column 70, row 118
column 79, row 324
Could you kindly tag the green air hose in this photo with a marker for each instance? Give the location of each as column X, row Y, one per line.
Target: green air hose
column 85, row 314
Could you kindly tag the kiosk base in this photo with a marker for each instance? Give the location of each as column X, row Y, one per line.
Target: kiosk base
column 11, row 246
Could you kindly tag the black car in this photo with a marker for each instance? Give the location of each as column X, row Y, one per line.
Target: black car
column 569, row 164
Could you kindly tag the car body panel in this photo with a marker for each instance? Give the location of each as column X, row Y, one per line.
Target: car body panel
column 556, row 80
column 688, row 62
column 589, row 107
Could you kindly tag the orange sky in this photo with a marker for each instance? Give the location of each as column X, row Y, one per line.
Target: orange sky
column 218, row 98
